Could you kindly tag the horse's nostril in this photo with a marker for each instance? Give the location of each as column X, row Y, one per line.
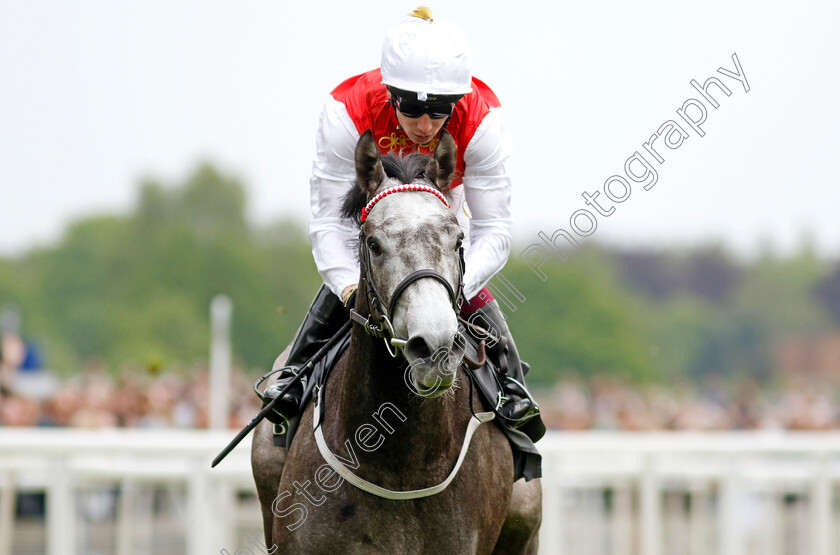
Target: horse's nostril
column 417, row 348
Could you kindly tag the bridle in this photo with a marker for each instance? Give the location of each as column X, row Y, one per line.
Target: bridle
column 379, row 323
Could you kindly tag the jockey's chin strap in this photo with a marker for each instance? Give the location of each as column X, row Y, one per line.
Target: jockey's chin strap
column 475, row 421
column 379, row 323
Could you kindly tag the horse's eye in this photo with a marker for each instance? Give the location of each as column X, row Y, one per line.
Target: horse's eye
column 374, row 248
column 459, row 243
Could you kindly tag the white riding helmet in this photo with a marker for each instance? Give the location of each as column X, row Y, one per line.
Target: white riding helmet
column 427, row 57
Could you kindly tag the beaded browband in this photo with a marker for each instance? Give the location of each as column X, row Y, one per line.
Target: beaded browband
column 399, row 189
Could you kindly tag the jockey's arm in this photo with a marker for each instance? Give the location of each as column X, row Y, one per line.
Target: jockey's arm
column 334, row 239
column 487, row 187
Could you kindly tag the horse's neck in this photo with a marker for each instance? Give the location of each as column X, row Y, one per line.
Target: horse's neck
column 373, row 391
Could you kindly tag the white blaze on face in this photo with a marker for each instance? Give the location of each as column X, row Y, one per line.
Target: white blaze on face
column 416, row 231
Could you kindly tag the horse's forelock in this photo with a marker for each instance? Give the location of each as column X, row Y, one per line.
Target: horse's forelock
column 351, row 207
column 405, row 169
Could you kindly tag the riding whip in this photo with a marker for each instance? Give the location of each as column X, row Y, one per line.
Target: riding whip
column 265, row 410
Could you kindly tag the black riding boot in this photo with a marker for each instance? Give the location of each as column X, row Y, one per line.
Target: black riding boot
column 517, row 405
column 325, row 317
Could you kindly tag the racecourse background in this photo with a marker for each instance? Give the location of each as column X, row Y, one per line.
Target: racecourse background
column 97, row 400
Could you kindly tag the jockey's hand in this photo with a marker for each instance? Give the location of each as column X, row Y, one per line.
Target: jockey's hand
column 348, row 294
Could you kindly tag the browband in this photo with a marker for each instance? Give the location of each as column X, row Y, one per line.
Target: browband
column 399, row 189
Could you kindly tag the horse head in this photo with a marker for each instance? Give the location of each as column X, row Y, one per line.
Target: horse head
column 411, row 257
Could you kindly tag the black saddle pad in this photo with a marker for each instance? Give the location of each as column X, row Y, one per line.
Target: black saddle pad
column 527, row 461
column 320, row 374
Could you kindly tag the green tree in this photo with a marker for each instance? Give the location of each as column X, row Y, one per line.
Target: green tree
column 138, row 287
column 578, row 320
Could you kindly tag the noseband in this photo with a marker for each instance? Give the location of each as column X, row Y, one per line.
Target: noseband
column 379, row 322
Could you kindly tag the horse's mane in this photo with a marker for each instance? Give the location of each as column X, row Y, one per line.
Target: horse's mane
column 404, row 168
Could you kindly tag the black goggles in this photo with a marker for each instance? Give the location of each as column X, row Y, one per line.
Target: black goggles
column 413, row 108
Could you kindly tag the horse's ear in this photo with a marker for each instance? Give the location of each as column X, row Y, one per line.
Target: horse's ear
column 369, row 171
column 441, row 168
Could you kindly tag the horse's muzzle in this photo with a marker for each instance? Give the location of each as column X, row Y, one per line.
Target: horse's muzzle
column 432, row 371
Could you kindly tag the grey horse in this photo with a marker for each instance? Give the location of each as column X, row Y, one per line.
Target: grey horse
column 399, row 423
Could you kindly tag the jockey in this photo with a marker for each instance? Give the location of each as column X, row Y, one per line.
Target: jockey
column 423, row 85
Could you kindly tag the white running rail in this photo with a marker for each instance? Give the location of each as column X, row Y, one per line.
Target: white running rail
column 727, row 493
column 604, row 493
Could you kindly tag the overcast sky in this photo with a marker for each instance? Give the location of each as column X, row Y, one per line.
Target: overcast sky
column 96, row 95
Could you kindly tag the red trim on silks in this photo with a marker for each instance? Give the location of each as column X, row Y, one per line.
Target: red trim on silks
column 483, row 298
column 365, row 98
column 399, row 189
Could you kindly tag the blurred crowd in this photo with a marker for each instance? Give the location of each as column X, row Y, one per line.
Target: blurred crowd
column 141, row 398
column 609, row 403
column 137, row 399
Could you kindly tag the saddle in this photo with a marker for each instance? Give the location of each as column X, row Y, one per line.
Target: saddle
column 483, row 375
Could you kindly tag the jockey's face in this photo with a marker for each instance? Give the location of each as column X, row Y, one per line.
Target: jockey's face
column 420, row 130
